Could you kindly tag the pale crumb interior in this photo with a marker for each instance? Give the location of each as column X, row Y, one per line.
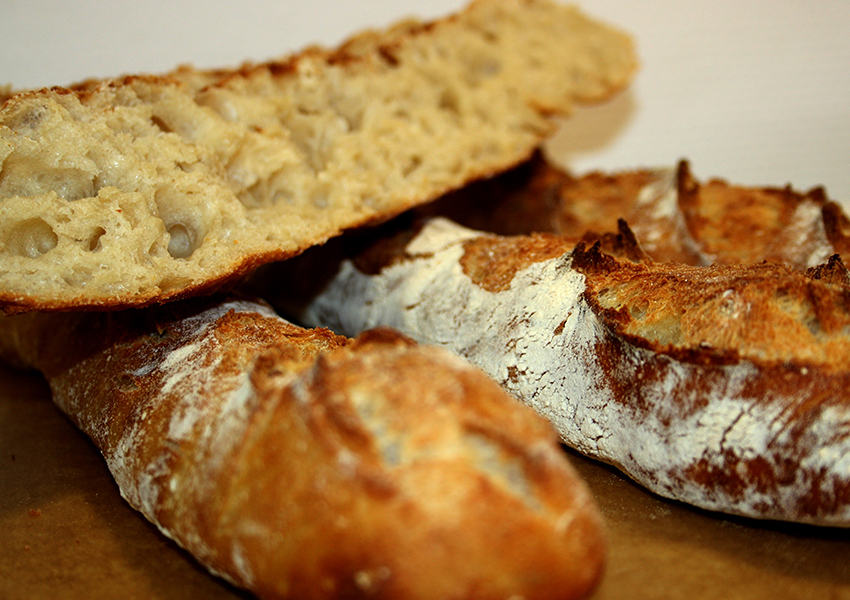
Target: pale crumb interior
column 130, row 190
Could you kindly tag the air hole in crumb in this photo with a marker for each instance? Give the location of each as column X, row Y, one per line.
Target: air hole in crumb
column 32, row 238
column 156, row 249
column 413, row 163
column 94, row 240
column 489, row 36
column 160, row 124
column 487, row 68
column 449, row 102
column 27, row 118
column 182, row 241
column 174, row 283
column 283, row 196
column 321, row 197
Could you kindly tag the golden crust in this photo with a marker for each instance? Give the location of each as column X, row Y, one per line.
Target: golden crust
column 675, row 217
column 300, row 464
column 765, row 313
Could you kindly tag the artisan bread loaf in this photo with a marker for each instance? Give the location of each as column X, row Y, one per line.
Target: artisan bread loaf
column 148, row 188
column 299, row 464
column 722, row 386
column 676, row 217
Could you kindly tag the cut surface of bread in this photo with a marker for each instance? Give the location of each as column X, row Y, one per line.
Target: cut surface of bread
column 722, row 386
column 300, row 464
column 149, row 188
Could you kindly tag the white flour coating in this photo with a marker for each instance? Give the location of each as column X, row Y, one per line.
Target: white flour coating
column 540, row 340
column 660, row 195
column 180, row 365
column 187, row 374
column 660, row 199
column 809, row 233
column 731, row 429
column 209, row 408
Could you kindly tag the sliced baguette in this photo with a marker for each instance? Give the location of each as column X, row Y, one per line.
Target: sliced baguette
column 299, row 464
column 144, row 189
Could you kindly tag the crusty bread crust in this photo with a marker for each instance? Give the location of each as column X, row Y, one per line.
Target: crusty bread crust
column 676, row 217
column 723, row 386
column 150, row 188
column 299, row 464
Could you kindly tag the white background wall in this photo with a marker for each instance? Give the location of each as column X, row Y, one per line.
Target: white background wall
column 754, row 92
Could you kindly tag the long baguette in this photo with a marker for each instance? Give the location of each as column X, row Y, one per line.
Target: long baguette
column 299, row 464
column 143, row 189
column 724, row 386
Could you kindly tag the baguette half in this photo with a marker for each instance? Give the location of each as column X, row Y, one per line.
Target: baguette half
column 138, row 190
column 299, row 464
column 724, row 387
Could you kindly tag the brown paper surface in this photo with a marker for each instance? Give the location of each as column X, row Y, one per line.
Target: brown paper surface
column 65, row 531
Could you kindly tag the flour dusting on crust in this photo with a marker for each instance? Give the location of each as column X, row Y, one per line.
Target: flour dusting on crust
column 724, row 437
column 182, row 369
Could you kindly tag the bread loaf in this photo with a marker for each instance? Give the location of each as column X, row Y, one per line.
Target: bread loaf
column 299, row 464
column 676, row 217
column 720, row 386
column 149, row 188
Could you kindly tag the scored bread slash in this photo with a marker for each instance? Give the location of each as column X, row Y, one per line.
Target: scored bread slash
column 301, row 464
column 721, row 386
column 138, row 190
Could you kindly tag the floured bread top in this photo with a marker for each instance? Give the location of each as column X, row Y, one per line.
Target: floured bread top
column 722, row 386
column 766, row 313
column 144, row 189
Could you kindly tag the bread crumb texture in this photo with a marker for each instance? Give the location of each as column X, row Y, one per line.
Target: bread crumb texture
column 145, row 188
